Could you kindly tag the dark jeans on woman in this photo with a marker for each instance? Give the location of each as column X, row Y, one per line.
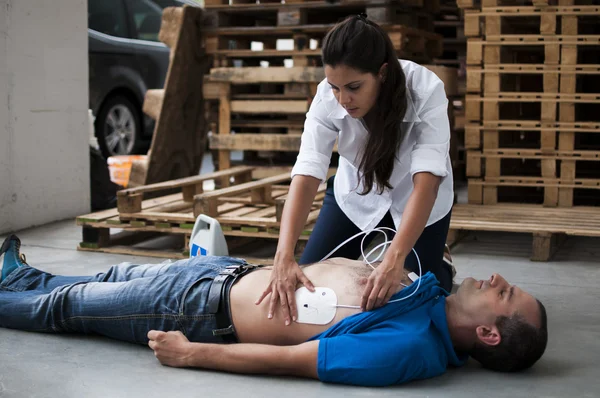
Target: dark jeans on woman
column 334, row 227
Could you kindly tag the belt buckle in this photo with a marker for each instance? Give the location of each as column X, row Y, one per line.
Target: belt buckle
column 232, row 270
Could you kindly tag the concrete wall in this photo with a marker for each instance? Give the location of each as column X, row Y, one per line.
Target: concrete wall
column 44, row 155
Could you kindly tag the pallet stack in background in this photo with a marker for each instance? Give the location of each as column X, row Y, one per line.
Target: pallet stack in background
column 262, row 89
column 449, row 23
column 533, row 100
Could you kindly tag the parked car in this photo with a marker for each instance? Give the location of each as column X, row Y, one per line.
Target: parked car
column 125, row 60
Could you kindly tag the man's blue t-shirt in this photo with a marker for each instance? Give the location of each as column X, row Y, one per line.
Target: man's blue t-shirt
column 401, row 341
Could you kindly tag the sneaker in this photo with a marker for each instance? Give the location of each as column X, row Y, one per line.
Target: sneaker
column 448, row 260
column 10, row 256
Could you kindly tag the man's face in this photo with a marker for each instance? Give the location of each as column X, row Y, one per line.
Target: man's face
column 357, row 92
column 482, row 301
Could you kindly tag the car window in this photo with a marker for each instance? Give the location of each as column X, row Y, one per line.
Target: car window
column 147, row 15
column 108, row 17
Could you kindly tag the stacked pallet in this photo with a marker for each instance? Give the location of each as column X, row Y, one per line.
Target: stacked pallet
column 533, row 83
column 246, row 209
column 271, row 102
column 449, row 23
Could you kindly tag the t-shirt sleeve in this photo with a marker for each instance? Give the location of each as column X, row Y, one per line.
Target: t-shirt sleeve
column 431, row 151
column 373, row 359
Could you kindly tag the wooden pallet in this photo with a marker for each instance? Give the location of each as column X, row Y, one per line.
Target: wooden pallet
column 533, row 106
column 539, row 49
column 541, row 78
column 247, row 210
column 548, row 226
column 319, row 12
column 493, row 21
column 279, row 132
column 262, row 117
column 478, row 4
column 244, row 4
column 229, row 43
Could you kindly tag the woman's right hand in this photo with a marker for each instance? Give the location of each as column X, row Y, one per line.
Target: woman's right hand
column 282, row 286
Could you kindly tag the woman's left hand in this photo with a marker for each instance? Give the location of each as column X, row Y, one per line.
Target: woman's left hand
column 383, row 283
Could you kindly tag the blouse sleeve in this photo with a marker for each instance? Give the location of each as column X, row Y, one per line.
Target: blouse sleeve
column 432, row 148
column 317, row 142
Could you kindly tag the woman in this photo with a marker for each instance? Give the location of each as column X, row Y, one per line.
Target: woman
column 390, row 119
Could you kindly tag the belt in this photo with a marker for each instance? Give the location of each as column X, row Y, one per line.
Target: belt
column 218, row 300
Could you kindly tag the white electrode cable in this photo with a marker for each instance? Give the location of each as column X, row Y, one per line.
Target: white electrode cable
column 365, row 258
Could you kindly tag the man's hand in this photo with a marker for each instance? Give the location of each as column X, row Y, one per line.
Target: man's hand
column 383, row 282
column 171, row 348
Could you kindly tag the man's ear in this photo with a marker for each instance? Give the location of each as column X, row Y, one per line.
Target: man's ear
column 488, row 335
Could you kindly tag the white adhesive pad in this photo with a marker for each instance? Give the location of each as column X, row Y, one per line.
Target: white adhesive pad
column 413, row 277
column 318, row 307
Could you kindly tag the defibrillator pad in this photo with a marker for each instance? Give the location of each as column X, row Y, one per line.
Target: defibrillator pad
column 318, row 307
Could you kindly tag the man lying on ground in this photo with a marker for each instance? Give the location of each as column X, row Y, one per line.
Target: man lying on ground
column 189, row 312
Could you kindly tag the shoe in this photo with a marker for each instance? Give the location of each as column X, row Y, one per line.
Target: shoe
column 10, row 256
column 448, row 260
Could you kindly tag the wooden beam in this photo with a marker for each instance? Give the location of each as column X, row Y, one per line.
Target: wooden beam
column 272, row 74
column 179, row 136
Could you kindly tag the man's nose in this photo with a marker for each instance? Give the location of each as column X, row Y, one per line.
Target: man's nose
column 498, row 281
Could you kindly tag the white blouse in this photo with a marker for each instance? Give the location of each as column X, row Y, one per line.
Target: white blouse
column 424, row 148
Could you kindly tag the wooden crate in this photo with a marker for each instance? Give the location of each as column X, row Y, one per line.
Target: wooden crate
column 548, row 226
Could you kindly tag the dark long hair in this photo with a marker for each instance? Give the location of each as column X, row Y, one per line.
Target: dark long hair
column 363, row 45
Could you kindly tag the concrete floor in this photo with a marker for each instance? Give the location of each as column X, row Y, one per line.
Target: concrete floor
column 37, row 365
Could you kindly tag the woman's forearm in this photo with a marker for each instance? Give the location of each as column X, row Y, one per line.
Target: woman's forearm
column 295, row 213
column 415, row 215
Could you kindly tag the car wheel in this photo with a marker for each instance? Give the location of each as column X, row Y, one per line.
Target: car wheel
column 118, row 127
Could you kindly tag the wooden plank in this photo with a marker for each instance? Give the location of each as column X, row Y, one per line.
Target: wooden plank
column 312, row 28
column 532, row 125
column 257, row 142
column 157, row 216
column 526, row 218
column 511, row 181
column 246, row 123
column 153, row 101
column 237, row 189
column 180, row 133
column 272, row 74
column 187, row 181
column 218, row 5
column 224, row 128
column 274, row 107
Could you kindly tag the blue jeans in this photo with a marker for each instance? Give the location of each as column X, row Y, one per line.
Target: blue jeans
column 124, row 303
column 333, row 227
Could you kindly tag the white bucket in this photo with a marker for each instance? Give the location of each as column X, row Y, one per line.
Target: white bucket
column 207, row 238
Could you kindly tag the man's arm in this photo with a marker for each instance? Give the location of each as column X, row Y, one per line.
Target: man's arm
column 174, row 349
